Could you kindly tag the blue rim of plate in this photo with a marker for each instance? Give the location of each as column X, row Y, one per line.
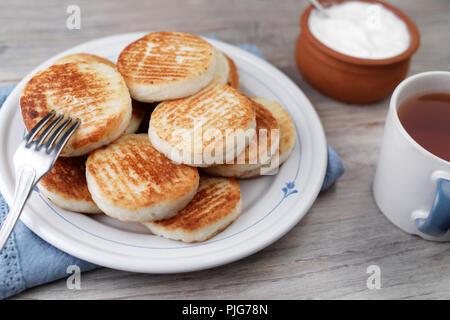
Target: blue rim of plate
column 287, row 191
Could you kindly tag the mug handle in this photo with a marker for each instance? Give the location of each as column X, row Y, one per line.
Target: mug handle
column 438, row 221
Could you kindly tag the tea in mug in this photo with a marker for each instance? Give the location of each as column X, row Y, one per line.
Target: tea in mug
column 426, row 118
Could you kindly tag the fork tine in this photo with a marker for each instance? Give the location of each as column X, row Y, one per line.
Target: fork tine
column 66, row 136
column 47, row 131
column 34, row 131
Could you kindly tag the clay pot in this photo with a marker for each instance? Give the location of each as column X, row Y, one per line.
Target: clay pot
column 350, row 79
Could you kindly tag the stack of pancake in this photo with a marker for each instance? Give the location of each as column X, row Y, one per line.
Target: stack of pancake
column 169, row 108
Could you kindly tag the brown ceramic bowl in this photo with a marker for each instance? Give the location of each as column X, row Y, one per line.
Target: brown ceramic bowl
column 350, row 79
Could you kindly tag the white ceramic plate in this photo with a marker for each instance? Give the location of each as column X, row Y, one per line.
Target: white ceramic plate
column 272, row 205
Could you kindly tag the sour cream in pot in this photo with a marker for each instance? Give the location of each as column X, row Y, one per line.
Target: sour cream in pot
column 360, row 29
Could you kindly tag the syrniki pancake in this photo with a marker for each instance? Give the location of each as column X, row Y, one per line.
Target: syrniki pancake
column 83, row 57
column 137, row 116
column 92, row 91
column 226, row 72
column 65, row 185
column 202, row 130
column 287, row 132
column 258, row 153
column 215, row 206
column 167, row 65
column 131, row 181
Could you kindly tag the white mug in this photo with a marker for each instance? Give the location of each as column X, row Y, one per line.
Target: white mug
column 412, row 185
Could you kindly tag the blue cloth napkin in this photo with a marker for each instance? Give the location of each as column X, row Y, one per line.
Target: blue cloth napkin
column 27, row 260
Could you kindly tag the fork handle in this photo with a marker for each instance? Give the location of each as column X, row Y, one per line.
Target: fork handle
column 24, row 184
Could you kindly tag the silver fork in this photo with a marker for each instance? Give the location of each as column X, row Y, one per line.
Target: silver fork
column 33, row 159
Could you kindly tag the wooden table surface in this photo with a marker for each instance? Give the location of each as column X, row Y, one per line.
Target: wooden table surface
column 326, row 255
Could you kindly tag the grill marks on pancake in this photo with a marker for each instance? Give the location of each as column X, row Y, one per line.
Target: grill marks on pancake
column 264, row 121
column 260, row 149
column 138, row 114
column 132, row 174
column 220, row 107
column 68, row 179
column 165, row 56
column 233, row 78
column 216, row 198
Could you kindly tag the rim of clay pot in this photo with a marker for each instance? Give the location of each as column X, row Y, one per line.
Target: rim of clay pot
column 412, row 28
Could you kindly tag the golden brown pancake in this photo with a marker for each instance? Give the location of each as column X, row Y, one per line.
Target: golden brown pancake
column 258, row 153
column 175, row 126
column 166, row 65
column 215, row 206
column 65, row 185
column 131, row 181
column 233, row 77
column 89, row 90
